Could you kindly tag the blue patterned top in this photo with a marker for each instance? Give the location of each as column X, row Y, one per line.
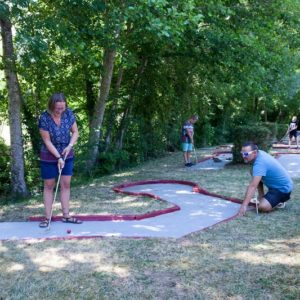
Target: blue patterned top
column 59, row 134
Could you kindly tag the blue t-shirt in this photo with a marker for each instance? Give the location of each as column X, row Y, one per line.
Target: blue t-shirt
column 274, row 176
column 59, row 134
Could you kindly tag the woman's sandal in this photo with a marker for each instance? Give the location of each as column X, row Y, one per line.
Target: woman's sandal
column 44, row 223
column 71, row 220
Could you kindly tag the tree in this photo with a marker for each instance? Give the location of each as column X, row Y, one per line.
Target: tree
column 18, row 183
column 95, row 127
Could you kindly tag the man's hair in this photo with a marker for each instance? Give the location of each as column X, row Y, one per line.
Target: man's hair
column 195, row 117
column 250, row 144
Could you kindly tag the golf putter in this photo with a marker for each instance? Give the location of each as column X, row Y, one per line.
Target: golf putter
column 256, row 206
column 55, row 194
column 254, row 199
column 195, row 154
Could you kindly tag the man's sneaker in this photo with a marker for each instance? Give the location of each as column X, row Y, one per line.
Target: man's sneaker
column 280, row 205
column 188, row 164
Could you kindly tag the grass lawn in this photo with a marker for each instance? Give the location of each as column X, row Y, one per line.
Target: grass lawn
column 254, row 257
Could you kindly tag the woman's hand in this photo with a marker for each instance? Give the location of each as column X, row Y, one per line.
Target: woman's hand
column 60, row 163
column 67, row 150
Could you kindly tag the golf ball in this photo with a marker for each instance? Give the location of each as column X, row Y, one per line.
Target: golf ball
column 69, row 231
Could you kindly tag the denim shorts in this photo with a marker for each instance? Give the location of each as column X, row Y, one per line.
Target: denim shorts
column 274, row 197
column 49, row 170
column 187, row 147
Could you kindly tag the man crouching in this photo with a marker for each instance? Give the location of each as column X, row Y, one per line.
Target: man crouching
column 266, row 170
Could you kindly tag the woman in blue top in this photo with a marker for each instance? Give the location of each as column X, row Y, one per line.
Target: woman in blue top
column 55, row 126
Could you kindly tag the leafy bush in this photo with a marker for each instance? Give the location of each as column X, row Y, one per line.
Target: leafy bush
column 281, row 131
column 207, row 134
column 273, row 129
column 112, row 161
column 122, row 159
column 257, row 133
column 4, row 167
column 32, row 171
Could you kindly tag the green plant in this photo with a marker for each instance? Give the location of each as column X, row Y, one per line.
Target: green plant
column 273, row 129
column 255, row 132
column 281, row 130
column 112, row 161
column 4, row 167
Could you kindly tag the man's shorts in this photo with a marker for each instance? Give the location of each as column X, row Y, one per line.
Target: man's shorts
column 293, row 133
column 274, row 197
column 49, row 170
column 187, row 147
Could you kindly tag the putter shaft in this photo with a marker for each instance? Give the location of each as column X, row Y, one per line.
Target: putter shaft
column 55, row 194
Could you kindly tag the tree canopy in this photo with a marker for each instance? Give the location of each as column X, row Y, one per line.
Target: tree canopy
column 133, row 71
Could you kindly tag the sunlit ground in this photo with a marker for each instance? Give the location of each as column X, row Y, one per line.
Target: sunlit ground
column 254, row 257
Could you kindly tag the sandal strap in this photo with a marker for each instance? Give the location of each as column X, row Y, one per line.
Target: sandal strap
column 71, row 220
column 44, row 223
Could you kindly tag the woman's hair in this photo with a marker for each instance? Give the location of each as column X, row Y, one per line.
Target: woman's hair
column 56, row 97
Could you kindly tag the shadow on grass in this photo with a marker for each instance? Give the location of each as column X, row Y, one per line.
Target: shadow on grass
column 228, row 261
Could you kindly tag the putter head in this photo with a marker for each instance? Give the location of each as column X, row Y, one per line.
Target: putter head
column 49, row 225
column 217, row 159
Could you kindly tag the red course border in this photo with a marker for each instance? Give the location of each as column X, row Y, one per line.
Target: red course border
column 120, row 189
column 277, row 154
column 213, row 155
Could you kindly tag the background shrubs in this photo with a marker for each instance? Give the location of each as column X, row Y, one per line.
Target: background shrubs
column 259, row 133
column 4, row 168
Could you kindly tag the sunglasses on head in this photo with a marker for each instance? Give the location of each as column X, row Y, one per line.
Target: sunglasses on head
column 246, row 154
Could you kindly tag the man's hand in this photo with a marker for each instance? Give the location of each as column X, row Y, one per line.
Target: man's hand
column 242, row 211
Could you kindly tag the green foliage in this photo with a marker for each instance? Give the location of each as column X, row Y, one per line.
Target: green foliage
column 32, row 171
column 257, row 133
column 231, row 62
column 273, row 130
column 207, row 134
column 110, row 162
column 281, row 131
column 5, row 168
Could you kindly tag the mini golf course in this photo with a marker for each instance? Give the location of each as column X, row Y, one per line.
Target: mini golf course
column 193, row 209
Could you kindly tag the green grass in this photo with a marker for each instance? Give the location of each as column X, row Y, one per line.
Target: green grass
column 96, row 196
column 254, row 257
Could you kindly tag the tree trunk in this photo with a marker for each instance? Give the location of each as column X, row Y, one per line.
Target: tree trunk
column 19, row 187
column 96, row 123
column 123, row 127
column 255, row 105
column 113, row 109
column 129, row 105
column 90, row 97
